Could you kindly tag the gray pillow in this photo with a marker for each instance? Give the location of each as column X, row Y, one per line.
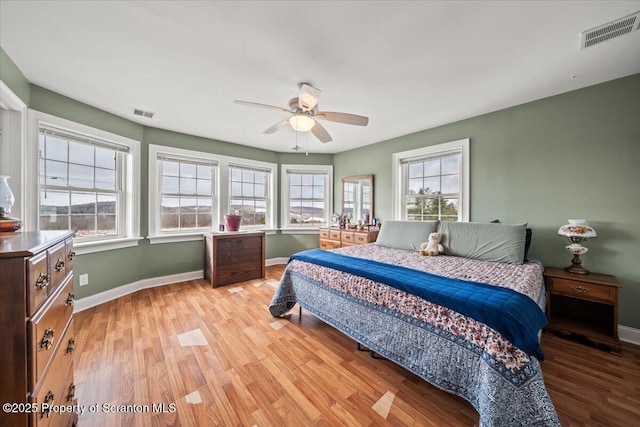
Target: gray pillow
column 484, row 241
column 405, row 234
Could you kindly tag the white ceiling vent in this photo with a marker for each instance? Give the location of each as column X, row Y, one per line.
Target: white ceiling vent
column 143, row 113
column 611, row 30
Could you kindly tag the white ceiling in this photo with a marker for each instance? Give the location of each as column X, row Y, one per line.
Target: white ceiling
column 408, row 66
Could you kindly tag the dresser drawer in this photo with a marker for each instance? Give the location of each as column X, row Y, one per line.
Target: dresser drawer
column 329, row 244
column 57, row 265
column 334, row 234
column 38, row 281
column 347, row 237
column 586, row 291
column 46, row 329
column 324, row 234
column 53, row 389
column 70, row 255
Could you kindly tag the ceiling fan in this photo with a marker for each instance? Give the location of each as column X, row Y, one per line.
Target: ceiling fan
column 304, row 112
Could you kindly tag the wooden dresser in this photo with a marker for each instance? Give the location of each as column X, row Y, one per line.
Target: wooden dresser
column 331, row 238
column 36, row 290
column 233, row 256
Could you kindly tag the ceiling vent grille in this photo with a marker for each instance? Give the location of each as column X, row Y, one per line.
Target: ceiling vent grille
column 611, row 30
column 143, row 113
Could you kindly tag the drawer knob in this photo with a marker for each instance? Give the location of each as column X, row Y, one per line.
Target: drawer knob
column 70, row 299
column 72, row 255
column 72, row 392
column 59, row 265
column 47, row 339
column 42, row 281
column 580, row 289
column 71, row 346
column 48, row 399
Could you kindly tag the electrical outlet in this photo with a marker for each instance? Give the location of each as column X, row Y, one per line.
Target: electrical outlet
column 84, row 279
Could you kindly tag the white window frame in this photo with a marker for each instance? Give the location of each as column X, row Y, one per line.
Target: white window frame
column 285, row 227
column 399, row 180
column 128, row 217
column 157, row 236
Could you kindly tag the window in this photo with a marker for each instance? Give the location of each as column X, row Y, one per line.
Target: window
column 307, row 196
column 248, row 194
column 187, row 194
column 432, row 183
column 191, row 191
column 85, row 180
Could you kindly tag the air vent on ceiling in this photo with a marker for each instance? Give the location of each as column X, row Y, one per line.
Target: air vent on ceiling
column 143, row 113
column 611, row 30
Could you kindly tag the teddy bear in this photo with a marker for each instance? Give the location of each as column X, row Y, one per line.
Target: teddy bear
column 433, row 246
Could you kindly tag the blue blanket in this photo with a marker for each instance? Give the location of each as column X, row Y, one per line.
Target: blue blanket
column 516, row 316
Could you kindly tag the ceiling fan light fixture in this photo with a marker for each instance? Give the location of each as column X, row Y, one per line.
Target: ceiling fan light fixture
column 302, row 122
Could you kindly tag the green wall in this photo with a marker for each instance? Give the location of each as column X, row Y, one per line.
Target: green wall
column 575, row 155
column 11, row 75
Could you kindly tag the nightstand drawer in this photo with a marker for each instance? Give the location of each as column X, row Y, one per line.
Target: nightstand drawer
column 582, row 290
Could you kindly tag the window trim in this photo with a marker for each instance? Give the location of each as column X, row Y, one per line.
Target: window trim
column 131, row 215
column 155, row 236
column 287, row 228
column 460, row 146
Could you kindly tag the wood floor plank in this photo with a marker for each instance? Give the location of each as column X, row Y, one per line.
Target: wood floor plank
column 255, row 370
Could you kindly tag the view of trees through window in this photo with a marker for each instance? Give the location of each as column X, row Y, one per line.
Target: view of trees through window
column 78, row 186
column 306, row 198
column 433, row 189
column 187, row 195
column 248, row 194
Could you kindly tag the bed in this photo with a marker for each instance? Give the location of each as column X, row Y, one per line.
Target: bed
column 422, row 312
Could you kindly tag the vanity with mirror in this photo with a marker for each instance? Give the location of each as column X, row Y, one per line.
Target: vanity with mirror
column 355, row 224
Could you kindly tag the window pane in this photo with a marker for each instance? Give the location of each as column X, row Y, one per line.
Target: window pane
column 260, row 178
column 54, row 222
column 318, row 192
column 247, row 190
column 105, row 158
column 247, row 175
column 188, row 170
column 107, row 204
column 450, row 165
column 187, row 204
column 204, row 186
column 169, row 221
column 81, row 153
column 236, row 189
column 307, row 179
column 204, row 220
column 84, row 225
column 260, row 190
column 295, row 179
column 415, row 170
column 450, row 184
column 415, row 185
column 188, row 220
column 170, row 184
column 236, row 174
column 295, row 192
column 82, row 203
column 170, row 204
column 187, row 185
column 432, row 167
column 432, row 184
column 105, row 179
column 205, row 172
column 106, row 225
column 170, row 168
column 54, row 202
column 80, row 176
column 56, row 173
column 56, row 148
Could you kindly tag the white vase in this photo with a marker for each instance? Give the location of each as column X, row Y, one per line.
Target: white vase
column 6, row 196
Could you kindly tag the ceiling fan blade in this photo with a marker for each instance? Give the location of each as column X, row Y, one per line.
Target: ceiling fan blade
column 346, row 118
column 255, row 104
column 277, row 126
column 321, row 133
column 308, row 97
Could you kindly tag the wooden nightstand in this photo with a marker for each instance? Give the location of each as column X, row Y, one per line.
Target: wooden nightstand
column 584, row 305
column 233, row 256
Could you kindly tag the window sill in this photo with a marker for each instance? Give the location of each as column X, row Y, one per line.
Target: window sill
column 82, row 248
column 174, row 238
column 305, row 230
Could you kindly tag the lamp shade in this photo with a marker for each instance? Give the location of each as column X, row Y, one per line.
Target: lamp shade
column 577, row 228
column 302, row 122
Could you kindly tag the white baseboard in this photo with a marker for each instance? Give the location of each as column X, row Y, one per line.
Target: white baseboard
column 120, row 291
column 628, row 334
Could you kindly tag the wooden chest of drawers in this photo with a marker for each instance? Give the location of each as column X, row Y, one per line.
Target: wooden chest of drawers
column 231, row 257
column 36, row 290
column 331, row 238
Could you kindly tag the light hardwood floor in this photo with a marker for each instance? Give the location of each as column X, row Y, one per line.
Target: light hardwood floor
column 221, row 359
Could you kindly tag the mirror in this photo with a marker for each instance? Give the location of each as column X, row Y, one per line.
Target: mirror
column 357, row 198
